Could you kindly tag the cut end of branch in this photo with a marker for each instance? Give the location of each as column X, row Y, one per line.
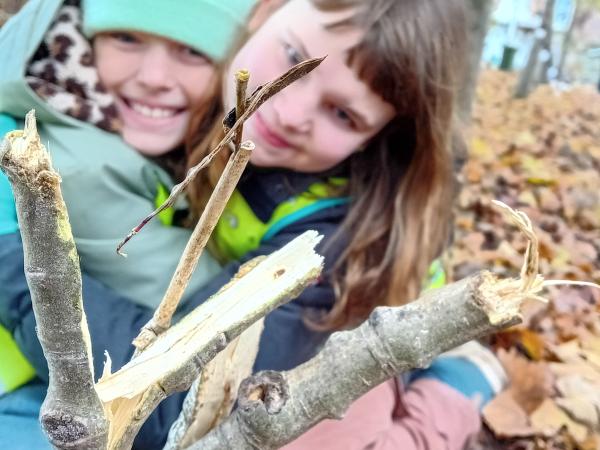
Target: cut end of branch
column 500, row 299
column 81, row 429
column 25, row 157
column 242, row 75
column 146, row 337
column 247, row 146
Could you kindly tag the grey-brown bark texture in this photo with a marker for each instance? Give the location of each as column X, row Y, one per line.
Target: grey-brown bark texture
column 72, row 414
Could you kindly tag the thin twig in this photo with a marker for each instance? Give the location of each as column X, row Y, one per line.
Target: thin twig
column 241, row 85
column 261, row 95
column 532, row 281
column 548, row 283
column 161, row 319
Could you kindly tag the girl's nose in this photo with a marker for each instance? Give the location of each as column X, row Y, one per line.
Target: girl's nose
column 155, row 70
column 294, row 106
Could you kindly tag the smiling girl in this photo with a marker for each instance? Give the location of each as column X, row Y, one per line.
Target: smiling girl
column 113, row 84
column 155, row 83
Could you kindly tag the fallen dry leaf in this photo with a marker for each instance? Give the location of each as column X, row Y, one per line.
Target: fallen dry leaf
column 548, row 419
column 506, row 418
column 530, row 383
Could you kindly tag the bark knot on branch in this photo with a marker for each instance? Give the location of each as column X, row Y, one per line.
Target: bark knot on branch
column 269, row 388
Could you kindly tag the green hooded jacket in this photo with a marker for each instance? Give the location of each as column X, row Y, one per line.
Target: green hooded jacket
column 108, row 187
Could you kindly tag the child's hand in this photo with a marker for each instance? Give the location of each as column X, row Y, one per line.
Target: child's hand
column 8, row 212
column 471, row 369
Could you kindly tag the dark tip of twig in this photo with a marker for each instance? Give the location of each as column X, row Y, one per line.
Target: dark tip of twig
column 141, row 225
column 126, row 240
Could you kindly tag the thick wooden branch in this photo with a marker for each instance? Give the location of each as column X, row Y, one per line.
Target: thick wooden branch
column 275, row 408
column 72, row 415
column 174, row 360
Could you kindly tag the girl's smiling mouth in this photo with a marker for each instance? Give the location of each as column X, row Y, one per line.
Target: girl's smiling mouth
column 144, row 114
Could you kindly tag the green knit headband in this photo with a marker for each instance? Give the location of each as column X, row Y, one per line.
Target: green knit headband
column 209, row 26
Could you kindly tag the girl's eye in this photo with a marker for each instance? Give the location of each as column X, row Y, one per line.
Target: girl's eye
column 193, row 56
column 124, row 38
column 293, row 56
column 342, row 116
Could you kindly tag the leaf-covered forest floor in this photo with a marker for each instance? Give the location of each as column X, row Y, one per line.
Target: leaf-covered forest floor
column 540, row 155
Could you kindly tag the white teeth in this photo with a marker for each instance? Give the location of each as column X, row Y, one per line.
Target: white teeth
column 152, row 112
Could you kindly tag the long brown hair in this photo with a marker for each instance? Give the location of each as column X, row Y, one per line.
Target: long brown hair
column 399, row 219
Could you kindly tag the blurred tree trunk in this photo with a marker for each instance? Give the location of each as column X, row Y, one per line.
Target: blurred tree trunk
column 547, row 40
column 527, row 78
column 478, row 14
column 582, row 13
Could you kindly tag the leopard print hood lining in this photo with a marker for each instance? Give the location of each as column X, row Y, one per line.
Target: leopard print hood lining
column 62, row 72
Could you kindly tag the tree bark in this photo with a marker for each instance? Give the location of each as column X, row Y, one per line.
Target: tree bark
column 579, row 17
column 72, row 415
column 547, row 41
column 212, row 396
column 478, row 15
column 528, row 74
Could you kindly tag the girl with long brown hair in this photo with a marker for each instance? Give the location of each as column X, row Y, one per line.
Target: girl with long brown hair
column 360, row 150
column 372, row 124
